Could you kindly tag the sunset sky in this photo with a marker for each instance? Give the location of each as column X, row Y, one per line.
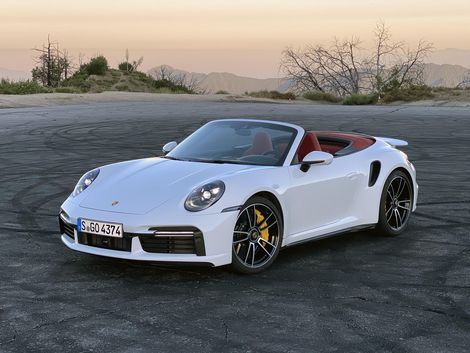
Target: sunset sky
column 244, row 36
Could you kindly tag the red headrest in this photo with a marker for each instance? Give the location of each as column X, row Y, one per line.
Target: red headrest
column 309, row 143
column 262, row 143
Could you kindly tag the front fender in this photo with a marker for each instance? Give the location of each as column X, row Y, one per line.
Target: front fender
column 239, row 187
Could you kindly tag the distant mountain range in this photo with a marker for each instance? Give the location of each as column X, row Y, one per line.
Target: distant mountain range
column 445, row 75
column 450, row 56
column 14, row 75
column 225, row 81
column 434, row 75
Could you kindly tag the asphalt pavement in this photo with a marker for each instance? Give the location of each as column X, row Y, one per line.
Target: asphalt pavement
column 354, row 293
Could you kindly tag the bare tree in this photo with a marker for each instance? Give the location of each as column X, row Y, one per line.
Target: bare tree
column 336, row 68
column 164, row 72
column 379, row 62
column 393, row 65
column 65, row 62
column 43, row 72
column 128, row 66
column 53, row 65
column 177, row 79
column 194, row 84
column 137, row 63
column 411, row 67
column 297, row 66
column 345, row 68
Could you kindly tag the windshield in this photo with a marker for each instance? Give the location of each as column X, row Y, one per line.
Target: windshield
column 241, row 142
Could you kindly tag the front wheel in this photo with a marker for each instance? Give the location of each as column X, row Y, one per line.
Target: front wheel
column 395, row 204
column 257, row 236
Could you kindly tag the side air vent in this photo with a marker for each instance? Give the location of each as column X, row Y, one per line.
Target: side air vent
column 374, row 172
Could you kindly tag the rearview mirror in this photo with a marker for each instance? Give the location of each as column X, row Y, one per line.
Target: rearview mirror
column 169, row 146
column 315, row 157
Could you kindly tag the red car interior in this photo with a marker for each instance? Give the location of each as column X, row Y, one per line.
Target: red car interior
column 332, row 142
column 281, row 148
column 262, row 143
column 359, row 142
column 309, row 143
column 326, row 141
column 331, row 148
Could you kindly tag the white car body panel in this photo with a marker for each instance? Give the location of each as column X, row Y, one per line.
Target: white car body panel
column 393, row 142
column 151, row 192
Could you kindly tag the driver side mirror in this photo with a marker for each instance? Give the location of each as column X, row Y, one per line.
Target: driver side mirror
column 169, row 146
column 315, row 157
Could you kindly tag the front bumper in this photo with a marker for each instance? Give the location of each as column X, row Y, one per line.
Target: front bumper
column 216, row 229
column 137, row 253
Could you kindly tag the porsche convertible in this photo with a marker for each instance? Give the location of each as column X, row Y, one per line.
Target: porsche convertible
column 236, row 191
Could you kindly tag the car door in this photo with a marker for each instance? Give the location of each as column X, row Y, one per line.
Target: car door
column 321, row 197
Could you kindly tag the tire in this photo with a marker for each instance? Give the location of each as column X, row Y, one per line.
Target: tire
column 396, row 204
column 257, row 237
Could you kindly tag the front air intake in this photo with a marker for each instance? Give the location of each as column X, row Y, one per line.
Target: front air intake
column 173, row 240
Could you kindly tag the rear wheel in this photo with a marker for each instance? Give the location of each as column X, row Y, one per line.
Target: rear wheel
column 395, row 204
column 257, row 236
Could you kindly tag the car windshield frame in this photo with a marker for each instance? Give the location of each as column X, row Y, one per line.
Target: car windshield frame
column 244, row 124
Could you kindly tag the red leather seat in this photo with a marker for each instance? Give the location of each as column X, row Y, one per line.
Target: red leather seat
column 330, row 148
column 309, row 143
column 262, row 143
column 359, row 142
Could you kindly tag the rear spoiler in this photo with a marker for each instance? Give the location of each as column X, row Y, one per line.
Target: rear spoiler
column 392, row 142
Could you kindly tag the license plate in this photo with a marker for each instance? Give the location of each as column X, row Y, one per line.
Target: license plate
column 100, row 228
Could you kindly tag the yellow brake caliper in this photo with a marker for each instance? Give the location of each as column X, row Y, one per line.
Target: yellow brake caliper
column 260, row 218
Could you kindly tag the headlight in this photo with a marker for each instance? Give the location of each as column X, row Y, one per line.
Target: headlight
column 204, row 196
column 85, row 181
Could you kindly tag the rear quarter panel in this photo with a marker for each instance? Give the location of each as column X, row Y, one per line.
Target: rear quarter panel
column 390, row 158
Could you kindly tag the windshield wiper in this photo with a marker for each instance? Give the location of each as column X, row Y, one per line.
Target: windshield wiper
column 220, row 161
column 215, row 161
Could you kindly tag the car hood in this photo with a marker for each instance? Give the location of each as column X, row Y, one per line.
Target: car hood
column 139, row 186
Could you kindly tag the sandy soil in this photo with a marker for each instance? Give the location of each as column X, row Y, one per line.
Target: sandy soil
column 53, row 99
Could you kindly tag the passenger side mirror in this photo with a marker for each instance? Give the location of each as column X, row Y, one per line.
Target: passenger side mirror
column 169, row 146
column 315, row 157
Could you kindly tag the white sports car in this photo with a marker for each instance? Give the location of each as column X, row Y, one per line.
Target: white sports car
column 237, row 191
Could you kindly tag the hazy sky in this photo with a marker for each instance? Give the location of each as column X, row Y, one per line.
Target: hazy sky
column 240, row 36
